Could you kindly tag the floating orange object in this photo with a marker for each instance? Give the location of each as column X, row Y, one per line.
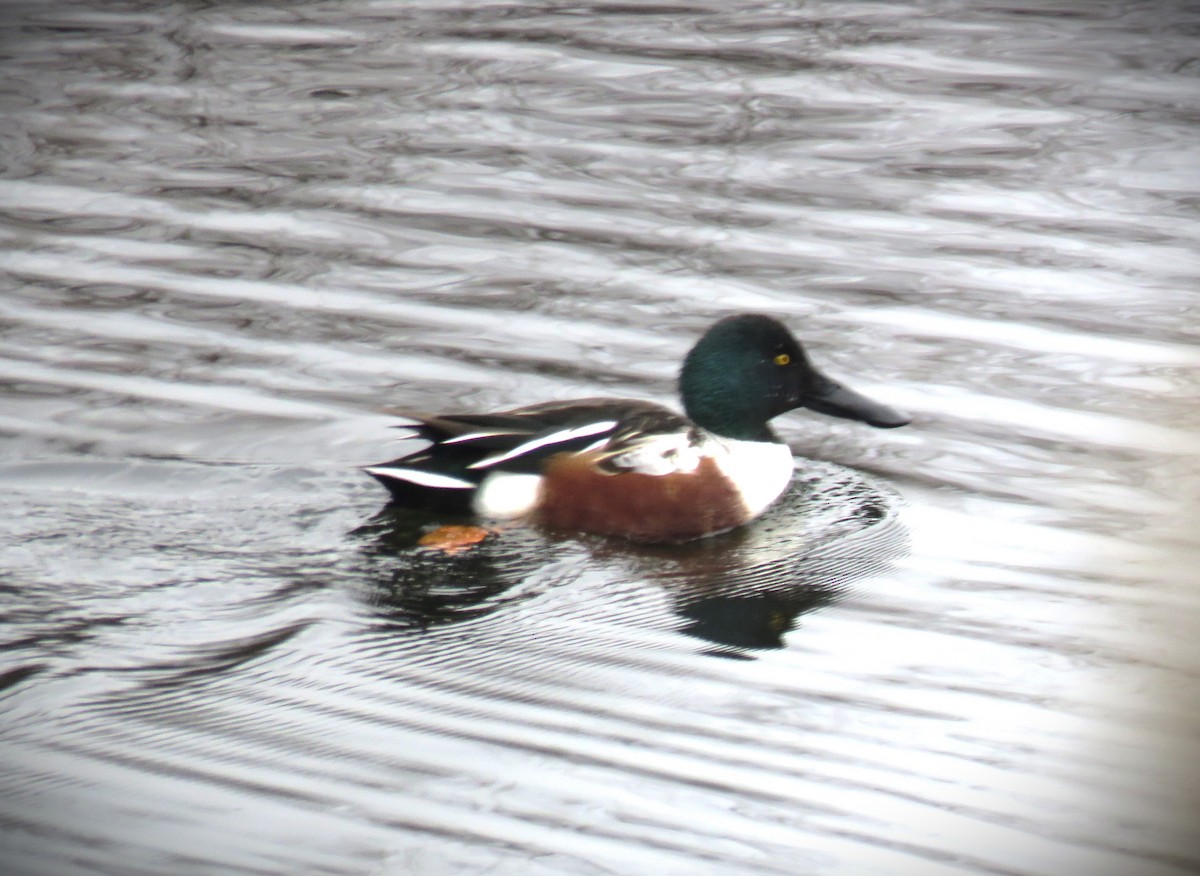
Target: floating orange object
column 453, row 539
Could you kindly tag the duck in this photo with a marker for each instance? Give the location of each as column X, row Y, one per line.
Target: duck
column 630, row 468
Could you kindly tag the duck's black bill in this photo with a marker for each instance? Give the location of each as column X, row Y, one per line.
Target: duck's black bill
column 827, row 396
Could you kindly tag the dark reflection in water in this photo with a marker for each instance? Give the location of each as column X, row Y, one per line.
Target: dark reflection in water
column 417, row 587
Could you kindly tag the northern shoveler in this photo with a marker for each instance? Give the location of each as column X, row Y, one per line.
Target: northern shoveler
column 631, row 468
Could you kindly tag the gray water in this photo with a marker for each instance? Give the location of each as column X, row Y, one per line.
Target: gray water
column 235, row 233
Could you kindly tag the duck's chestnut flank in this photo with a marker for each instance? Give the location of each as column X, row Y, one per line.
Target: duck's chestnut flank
column 578, row 495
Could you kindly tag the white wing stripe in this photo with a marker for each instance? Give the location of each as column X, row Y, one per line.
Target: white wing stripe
column 559, row 437
column 479, row 436
column 421, row 478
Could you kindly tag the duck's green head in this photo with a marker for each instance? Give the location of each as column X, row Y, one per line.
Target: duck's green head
column 747, row 369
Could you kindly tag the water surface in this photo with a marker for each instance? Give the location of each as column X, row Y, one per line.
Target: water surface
column 233, row 233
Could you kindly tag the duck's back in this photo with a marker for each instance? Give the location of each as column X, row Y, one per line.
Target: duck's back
column 467, row 449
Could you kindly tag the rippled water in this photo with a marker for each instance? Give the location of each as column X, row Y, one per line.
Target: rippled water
column 233, row 233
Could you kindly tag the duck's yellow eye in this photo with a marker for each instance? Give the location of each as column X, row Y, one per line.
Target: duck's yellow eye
column 783, row 359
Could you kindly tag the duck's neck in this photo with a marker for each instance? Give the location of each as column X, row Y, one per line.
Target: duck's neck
column 764, row 434
column 715, row 398
column 728, row 420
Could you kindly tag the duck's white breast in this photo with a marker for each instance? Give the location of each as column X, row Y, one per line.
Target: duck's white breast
column 760, row 470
